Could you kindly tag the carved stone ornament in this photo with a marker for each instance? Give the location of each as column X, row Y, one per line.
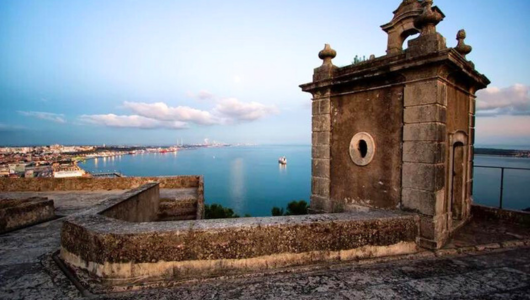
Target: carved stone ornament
column 462, row 48
column 327, row 55
column 428, row 19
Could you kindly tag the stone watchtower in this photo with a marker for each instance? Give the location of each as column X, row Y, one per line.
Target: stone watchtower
column 397, row 132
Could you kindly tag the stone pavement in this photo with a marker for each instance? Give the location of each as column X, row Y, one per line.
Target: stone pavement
column 27, row 272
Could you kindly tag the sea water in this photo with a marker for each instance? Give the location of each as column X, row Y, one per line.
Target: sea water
column 250, row 181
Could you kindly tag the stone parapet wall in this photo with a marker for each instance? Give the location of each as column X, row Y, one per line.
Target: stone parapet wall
column 119, row 253
column 90, row 184
column 200, row 199
column 494, row 214
column 139, row 205
column 178, row 210
column 19, row 213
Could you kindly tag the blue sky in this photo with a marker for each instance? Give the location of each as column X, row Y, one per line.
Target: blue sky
column 154, row 72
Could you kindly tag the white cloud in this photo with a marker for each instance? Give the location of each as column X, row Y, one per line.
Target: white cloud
column 57, row 118
column 163, row 112
column 202, row 95
column 513, row 100
column 133, row 121
column 237, row 111
column 161, row 115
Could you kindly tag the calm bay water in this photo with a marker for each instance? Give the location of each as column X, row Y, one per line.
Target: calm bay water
column 249, row 179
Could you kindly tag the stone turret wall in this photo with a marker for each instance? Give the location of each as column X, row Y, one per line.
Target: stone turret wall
column 401, row 127
column 377, row 112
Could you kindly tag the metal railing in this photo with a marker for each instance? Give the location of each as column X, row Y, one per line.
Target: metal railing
column 502, row 178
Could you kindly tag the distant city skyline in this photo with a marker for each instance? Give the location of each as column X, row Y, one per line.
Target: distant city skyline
column 158, row 72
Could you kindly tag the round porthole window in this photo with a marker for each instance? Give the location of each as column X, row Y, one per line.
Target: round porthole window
column 362, row 148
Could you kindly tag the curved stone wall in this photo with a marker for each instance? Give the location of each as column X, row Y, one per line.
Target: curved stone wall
column 121, row 252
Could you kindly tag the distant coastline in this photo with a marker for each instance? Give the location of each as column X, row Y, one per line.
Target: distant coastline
column 502, row 152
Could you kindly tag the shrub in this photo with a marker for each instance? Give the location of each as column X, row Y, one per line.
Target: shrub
column 217, row 211
column 293, row 208
column 276, row 211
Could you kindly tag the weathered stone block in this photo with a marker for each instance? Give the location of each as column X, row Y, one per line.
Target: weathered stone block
column 320, row 168
column 470, row 187
column 472, row 105
column 425, row 44
column 321, row 123
column 321, row 93
column 424, row 152
column 428, row 177
column 472, row 121
column 433, row 228
column 320, row 204
column 315, row 110
column 425, row 202
column 320, row 138
column 320, row 107
column 424, row 132
column 425, row 113
column 320, row 186
column 427, row 228
column 425, row 92
column 320, row 152
column 17, row 213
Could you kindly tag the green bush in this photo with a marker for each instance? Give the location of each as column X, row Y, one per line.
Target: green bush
column 294, row 208
column 297, row 208
column 217, row 211
column 276, row 211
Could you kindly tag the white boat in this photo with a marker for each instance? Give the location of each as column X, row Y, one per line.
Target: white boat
column 282, row 160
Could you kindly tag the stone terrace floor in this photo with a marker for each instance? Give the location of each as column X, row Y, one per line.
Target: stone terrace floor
column 28, row 272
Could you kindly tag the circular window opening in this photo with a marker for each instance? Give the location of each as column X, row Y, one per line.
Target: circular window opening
column 362, row 148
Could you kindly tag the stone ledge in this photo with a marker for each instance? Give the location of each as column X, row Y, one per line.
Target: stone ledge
column 92, row 184
column 125, row 273
column 117, row 250
column 494, row 214
column 18, row 213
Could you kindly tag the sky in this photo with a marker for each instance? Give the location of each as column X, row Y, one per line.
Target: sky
column 161, row 72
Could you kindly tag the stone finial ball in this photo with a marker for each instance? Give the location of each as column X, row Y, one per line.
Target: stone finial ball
column 327, row 52
column 461, row 34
